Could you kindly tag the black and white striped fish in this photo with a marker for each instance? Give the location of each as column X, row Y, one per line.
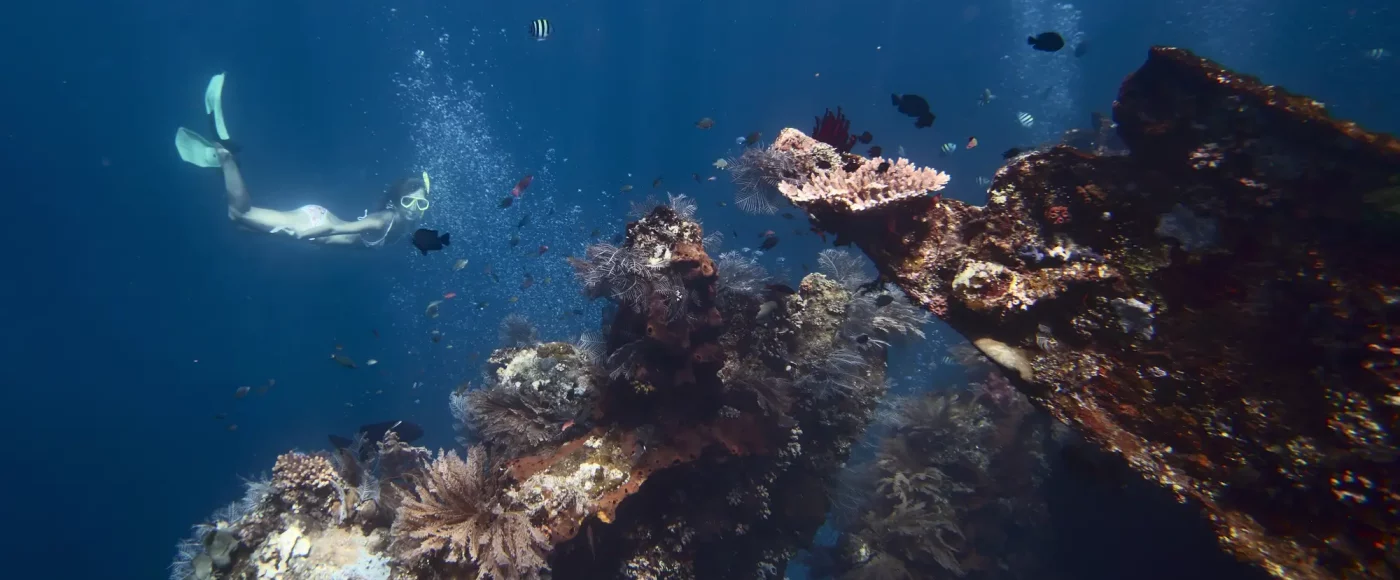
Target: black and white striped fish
column 541, row 29
column 1025, row 119
column 949, row 148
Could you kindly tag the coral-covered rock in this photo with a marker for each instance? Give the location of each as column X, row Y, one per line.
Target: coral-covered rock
column 1223, row 301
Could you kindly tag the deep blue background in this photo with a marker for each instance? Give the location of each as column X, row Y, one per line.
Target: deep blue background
column 121, row 270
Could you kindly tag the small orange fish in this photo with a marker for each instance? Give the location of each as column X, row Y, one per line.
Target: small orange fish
column 567, row 424
column 971, row 142
column 449, row 295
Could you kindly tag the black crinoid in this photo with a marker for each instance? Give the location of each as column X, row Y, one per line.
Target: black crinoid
column 757, row 173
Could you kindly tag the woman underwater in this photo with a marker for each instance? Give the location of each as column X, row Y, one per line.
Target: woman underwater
column 402, row 207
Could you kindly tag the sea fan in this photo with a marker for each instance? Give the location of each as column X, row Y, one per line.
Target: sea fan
column 740, row 274
column 449, row 513
column 517, row 331
column 517, row 420
column 683, row 205
column 757, row 173
column 847, row 268
column 879, row 324
column 611, row 271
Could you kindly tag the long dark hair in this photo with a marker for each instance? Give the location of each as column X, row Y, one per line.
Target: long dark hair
column 399, row 189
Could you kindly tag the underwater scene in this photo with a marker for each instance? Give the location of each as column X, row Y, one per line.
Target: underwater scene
column 704, row 289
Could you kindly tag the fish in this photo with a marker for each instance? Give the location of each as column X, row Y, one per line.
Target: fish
column 459, row 264
column 625, row 188
column 507, row 201
column 704, row 123
column 1025, row 119
column 875, row 151
column 882, row 167
column 522, row 185
column 527, row 281
column 523, row 221
column 971, row 142
column 435, row 335
column 914, row 106
column 948, row 148
column 1378, row 54
column 781, row 289
column 768, row 243
column 710, row 178
column 343, row 360
column 900, row 151
column 656, row 182
column 696, row 177
column 863, row 339
column 220, row 416
column 983, row 181
column 595, row 233
column 1012, row 152
column 540, row 29
column 232, row 427
column 750, row 139
column 372, row 434
column 884, row 300
column 449, row 295
column 372, row 362
column 375, row 332
column 1081, row 48
column 514, row 240
column 720, row 164
column 432, row 310
column 986, row 98
column 865, row 138
column 241, row 392
column 543, row 249
column 429, row 240
column 1046, row 41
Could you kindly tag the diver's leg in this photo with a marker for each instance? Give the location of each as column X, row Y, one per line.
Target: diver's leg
column 238, row 200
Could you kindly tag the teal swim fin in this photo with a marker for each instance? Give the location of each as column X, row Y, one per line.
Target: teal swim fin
column 195, row 149
column 214, row 105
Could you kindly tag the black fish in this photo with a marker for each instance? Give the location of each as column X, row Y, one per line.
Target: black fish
column 407, row 431
column 1046, row 41
column 884, row 300
column 524, row 221
column 1012, row 152
column 914, row 106
column 882, row 167
column 866, row 138
column 429, row 240
column 1081, row 49
column 781, row 289
column 768, row 243
column 507, row 201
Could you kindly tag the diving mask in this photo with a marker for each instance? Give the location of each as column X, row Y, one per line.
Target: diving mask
column 415, row 201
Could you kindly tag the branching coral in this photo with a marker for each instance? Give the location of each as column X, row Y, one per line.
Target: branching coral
column 450, row 514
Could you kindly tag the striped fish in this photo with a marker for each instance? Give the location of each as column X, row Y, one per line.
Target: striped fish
column 949, row 148
column 1025, row 119
column 983, row 181
column 540, row 29
column 1378, row 54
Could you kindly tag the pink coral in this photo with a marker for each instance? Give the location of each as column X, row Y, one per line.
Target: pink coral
column 851, row 182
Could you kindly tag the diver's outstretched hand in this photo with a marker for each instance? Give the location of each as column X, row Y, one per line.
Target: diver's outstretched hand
column 313, row 232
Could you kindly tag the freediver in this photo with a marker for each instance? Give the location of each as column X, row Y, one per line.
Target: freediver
column 402, row 206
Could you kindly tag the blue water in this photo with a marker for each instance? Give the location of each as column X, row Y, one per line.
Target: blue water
column 132, row 308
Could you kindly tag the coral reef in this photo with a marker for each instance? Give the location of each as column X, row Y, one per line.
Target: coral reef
column 956, row 490
column 834, row 180
column 1218, row 306
column 698, row 438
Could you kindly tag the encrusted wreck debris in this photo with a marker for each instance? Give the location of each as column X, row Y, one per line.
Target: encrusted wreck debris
column 698, row 439
column 1220, row 306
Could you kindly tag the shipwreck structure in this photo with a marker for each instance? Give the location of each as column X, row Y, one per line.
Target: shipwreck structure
column 1220, row 305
